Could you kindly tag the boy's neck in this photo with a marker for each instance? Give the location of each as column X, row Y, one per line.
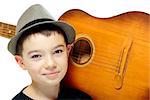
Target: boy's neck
column 42, row 92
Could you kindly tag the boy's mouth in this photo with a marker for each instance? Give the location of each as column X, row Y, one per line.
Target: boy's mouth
column 52, row 73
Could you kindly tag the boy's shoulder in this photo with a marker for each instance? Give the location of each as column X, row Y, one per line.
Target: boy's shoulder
column 65, row 93
column 21, row 96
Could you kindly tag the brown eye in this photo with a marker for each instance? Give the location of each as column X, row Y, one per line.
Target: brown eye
column 36, row 56
column 58, row 51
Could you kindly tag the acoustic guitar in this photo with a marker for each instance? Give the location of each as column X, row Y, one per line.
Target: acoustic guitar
column 110, row 56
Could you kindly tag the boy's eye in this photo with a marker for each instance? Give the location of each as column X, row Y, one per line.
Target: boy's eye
column 58, row 51
column 36, row 56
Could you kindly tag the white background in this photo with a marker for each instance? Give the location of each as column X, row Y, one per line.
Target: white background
column 12, row 77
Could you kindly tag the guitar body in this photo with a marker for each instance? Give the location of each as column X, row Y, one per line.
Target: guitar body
column 110, row 57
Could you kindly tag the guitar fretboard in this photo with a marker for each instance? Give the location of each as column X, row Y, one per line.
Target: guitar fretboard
column 7, row 30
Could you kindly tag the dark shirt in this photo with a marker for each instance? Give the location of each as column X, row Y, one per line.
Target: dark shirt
column 64, row 94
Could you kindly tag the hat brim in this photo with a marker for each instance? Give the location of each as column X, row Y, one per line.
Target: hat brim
column 68, row 30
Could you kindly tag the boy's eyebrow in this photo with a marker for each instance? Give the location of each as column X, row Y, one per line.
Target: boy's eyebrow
column 58, row 46
column 40, row 50
column 33, row 51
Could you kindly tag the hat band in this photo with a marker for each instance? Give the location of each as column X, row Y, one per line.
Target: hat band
column 35, row 21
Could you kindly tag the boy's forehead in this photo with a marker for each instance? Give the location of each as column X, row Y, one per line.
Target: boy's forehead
column 40, row 41
column 46, row 33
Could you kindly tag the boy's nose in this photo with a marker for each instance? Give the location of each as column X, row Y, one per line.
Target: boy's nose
column 50, row 63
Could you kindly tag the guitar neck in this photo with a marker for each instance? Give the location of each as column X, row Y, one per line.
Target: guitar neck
column 7, row 30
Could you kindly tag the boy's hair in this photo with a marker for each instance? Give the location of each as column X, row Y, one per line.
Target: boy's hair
column 44, row 29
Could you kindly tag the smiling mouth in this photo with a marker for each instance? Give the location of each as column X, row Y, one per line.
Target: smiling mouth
column 52, row 74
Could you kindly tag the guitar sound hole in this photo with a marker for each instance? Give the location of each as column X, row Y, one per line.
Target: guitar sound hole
column 82, row 51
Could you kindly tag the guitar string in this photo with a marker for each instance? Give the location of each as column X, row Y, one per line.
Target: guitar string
column 103, row 66
column 102, row 51
column 102, row 59
column 99, row 56
column 100, row 62
column 102, row 55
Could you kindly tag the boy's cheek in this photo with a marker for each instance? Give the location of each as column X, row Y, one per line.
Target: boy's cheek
column 63, row 61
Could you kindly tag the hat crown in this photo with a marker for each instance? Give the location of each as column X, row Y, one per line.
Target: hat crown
column 34, row 12
column 34, row 16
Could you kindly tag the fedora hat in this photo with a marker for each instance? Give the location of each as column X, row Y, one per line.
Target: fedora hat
column 38, row 15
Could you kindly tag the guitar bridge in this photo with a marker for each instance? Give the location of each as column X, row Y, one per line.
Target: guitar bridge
column 122, row 64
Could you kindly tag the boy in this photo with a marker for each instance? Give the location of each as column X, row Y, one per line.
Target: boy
column 41, row 46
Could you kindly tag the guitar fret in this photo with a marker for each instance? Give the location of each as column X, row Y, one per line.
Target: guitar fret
column 7, row 30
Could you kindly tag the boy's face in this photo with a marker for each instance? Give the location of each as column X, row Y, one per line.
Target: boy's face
column 45, row 58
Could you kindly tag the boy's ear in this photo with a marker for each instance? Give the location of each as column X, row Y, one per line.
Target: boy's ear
column 19, row 60
column 69, row 46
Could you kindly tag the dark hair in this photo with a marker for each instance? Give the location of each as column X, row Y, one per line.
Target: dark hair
column 44, row 29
